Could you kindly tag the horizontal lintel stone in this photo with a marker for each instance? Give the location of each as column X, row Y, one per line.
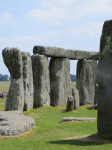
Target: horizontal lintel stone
column 65, row 53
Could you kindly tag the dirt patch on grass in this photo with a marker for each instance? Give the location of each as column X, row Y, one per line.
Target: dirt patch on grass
column 91, row 138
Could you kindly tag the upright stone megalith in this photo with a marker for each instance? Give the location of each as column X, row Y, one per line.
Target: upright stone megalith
column 104, row 117
column 13, row 60
column 60, row 82
column 86, row 80
column 27, row 81
column 41, row 80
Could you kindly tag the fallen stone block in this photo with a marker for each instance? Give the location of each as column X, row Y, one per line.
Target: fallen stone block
column 15, row 123
column 66, row 119
column 92, row 107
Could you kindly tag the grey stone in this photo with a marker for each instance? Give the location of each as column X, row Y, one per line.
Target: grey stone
column 92, row 107
column 13, row 60
column 96, row 94
column 16, row 123
column 27, row 81
column 60, row 82
column 75, row 94
column 41, row 80
column 76, row 119
column 104, row 118
column 70, row 104
column 86, row 80
column 15, row 99
column 65, row 53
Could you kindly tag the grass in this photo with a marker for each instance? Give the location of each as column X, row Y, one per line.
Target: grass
column 73, row 84
column 48, row 134
column 4, row 86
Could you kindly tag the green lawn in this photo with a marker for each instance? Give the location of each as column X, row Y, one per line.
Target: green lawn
column 48, row 134
column 4, row 86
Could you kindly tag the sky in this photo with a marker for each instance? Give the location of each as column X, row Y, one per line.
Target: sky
column 69, row 24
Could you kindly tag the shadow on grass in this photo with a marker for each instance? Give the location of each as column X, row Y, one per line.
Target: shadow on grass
column 94, row 139
column 76, row 142
column 64, row 111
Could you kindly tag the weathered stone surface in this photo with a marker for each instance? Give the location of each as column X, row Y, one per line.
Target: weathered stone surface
column 76, row 119
column 104, row 118
column 60, row 82
column 92, row 107
column 27, row 81
column 75, row 94
column 15, row 99
column 13, row 60
column 66, row 53
column 70, row 104
column 41, row 80
column 86, row 80
column 96, row 95
column 15, row 123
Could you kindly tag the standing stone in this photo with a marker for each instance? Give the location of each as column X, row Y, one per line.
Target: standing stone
column 86, row 80
column 27, row 81
column 104, row 117
column 60, row 81
column 13, row 61
column 41, row 80
column 75, row 94
column 96, row 94
column 70, row 104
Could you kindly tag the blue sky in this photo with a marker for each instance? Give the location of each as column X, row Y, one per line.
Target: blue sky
column 70, row 24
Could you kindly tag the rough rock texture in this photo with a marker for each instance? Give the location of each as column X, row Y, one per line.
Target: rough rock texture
column 15, row 99
column 76, row 119
column 15, row 123
column 60, row 81
column 27, row 81
column 13, row 60
column 75, row 94
column 92, row 107
column 70, row 104
column 86, row 80
column 104, row 118
column 41, row 80
column 66, row 53
column 96, row 95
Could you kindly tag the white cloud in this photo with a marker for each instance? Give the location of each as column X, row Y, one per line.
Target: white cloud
column 93, row 7
column 89, row 29
column 55, row 11
column 26, row 43
column 6, row 18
